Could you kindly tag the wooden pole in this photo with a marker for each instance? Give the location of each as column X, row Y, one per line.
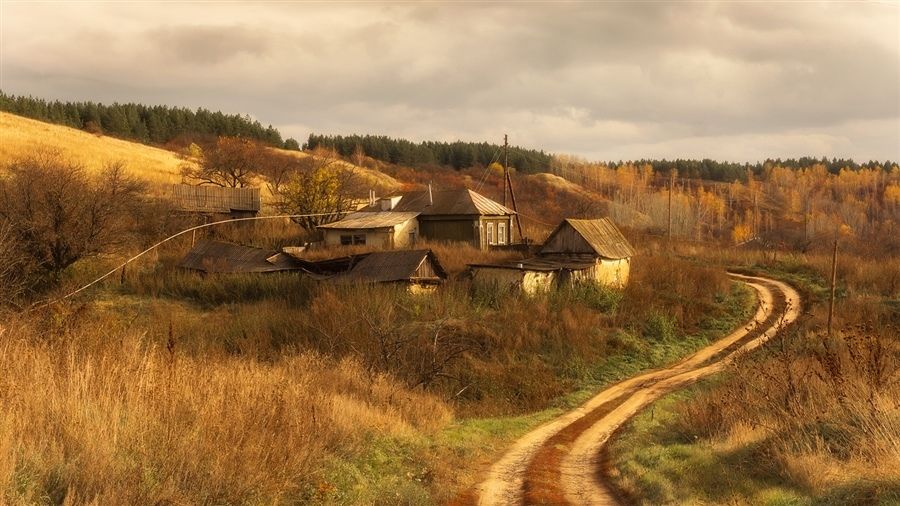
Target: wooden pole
column 669, row 229
column 833, row 283
column 505, row 166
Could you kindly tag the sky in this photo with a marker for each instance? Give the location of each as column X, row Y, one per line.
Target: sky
column 605, row 81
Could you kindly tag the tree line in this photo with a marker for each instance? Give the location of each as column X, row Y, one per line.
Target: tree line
column 156, row 124
column 459, row 154
column 713, row 170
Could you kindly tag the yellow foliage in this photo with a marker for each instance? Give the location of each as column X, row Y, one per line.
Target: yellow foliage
column 741, row 232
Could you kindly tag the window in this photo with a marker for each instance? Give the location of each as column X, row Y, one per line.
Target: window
column 490, row 233
column 501, row 233
column 347, row 240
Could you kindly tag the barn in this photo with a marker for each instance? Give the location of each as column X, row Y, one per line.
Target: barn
column 216, row 200
column 577, row 251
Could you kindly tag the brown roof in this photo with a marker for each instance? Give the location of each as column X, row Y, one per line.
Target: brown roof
column 214, row 199
column 363, row 220
column 223, row 257
column 395, row 265
column 449, row 202
column 546, row 263
column 601, row 235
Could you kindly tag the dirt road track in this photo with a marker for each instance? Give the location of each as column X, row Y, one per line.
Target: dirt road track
column 571, row 477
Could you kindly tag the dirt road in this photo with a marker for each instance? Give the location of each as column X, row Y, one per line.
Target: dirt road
column 558, row 462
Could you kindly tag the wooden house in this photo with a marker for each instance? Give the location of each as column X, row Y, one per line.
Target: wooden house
column 419, row 270
column 217, row 201
column 439, row 215
column 577, row 251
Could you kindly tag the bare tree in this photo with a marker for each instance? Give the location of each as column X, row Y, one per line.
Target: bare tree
column 57, row 214
column 233, row 162
column 14, row 266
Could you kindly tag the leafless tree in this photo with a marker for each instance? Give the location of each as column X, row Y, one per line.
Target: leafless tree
column 57, row 214
column 233, row 162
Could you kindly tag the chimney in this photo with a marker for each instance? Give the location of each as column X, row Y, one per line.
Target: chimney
column 430, row 196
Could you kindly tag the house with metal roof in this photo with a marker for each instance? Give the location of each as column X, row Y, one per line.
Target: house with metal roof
column 460, row 215
column 577, row 251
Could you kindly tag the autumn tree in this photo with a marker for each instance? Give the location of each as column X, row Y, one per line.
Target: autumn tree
column 319, row 184
column 232, row 162
column 57, row 214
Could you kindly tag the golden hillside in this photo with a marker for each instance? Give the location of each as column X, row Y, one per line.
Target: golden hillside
column 20, row 136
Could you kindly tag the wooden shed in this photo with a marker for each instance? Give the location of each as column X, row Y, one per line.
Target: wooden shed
column 223, row 257
column 216, row 200
column 577, row 251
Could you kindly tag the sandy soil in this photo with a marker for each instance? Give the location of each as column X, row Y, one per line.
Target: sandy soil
column 579, row 469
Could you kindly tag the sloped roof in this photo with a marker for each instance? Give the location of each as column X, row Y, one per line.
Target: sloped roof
column 448, row 202
column 363, row 220
column 601, row 235
column 389, row 266
column 214, row 199
column 546, row 263
column 223, row 257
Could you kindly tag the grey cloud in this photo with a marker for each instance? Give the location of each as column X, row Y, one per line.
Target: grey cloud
column 210, row 45
column 609, row 80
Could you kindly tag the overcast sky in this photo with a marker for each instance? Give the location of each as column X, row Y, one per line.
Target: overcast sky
column 606, row 81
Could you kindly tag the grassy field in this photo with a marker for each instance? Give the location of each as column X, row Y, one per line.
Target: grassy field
column 19, row 136
column 809, row 419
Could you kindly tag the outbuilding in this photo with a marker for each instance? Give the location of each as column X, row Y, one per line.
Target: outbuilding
column 577, row 251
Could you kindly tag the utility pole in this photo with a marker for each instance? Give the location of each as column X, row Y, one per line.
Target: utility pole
column 833, row 282
column 669, row 229
column 505, row 165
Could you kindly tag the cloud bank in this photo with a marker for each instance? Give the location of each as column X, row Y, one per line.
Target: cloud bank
column 732, row 81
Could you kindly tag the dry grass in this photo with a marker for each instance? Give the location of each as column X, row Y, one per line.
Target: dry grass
column 104, row 415
column 21, row 136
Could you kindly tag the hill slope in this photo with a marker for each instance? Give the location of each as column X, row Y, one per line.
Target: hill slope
column 20, row 136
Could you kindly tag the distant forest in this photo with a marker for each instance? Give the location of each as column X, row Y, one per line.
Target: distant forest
column 460, row 155
column 156, row 124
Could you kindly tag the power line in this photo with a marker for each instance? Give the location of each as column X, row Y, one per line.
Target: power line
column 160, row 243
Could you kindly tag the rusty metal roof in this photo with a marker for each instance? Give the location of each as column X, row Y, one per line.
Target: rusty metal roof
column 601, row 235
column 390, row 266
column 223, row 257
column 448, row 202
column 364, row 220
column 214, row 199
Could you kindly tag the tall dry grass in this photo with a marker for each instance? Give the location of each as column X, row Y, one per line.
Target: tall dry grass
column 102, row 414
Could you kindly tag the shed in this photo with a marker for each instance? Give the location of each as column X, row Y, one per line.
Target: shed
column 223, row 257
column 577, row 251
column 420, row 269
column 235, row 202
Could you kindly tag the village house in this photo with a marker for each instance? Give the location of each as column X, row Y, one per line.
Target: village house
column 216, row 201
column 577, row 251
column 439, row 215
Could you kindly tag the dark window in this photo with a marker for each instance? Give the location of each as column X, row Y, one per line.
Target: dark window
column 347, row 240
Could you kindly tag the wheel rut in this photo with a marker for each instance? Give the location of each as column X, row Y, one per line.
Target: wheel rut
column 561, row 462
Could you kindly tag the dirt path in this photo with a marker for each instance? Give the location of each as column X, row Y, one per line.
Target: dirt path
column 559, row 462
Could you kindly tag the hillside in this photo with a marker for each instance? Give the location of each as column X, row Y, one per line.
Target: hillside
column 20, row 136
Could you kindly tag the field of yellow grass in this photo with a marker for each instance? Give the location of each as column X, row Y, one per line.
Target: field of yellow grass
column 20, row 136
